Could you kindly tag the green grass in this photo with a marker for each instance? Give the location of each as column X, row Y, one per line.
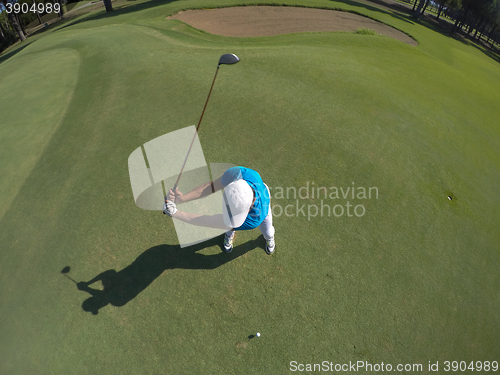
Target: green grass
column 414, row 280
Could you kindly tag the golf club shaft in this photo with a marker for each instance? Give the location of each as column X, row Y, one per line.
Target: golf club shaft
column 196, row 131
column 70, row 278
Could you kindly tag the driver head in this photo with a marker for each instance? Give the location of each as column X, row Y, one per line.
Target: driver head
column 228, row 58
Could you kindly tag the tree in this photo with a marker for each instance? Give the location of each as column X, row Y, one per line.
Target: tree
column 418, row 12
column 425, row 6
column 465, row 8
column 441, row 5
column 477, row 15
column 37, row 14
column 3, row 34
column 481, row 12
column 107, row 4
column 19, row 22
column 494, row 19
column 7, row 37
column 14, row 22
column 490, row 12
column 61, row 12
column 492, row 32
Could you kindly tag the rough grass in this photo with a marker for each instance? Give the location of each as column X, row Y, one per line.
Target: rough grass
column 364, row 31
column 413, row 280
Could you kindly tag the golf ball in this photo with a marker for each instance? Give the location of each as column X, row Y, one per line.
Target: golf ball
column 257, row 334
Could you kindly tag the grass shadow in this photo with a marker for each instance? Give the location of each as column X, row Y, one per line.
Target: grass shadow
column 118, row 11
column 8, row 55
column 444, row 28
column 404, row 12
column 398, row 13
column 121, row 287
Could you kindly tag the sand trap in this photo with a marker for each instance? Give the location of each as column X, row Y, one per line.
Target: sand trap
column 252, row 21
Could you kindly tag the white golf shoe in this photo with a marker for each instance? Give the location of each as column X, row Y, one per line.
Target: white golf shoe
column 270, row 245
column 228, row 242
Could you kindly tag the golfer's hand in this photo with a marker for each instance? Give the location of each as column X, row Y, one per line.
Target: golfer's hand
column 175, row 196
column 169, row 208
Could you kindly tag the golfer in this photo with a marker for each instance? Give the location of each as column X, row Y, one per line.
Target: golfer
column 246, row 205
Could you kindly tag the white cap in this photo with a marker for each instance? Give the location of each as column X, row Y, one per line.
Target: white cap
column 237, row 200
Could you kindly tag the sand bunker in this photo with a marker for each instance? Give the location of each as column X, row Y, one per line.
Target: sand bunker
column 252, row 21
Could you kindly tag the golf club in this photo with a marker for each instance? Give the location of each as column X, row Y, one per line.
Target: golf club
column 65, row 270
column 226, row 59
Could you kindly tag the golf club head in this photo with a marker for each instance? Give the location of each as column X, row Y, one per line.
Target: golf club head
column 65, row 270
column 228, row 58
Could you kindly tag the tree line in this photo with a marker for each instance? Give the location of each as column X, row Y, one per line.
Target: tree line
column 478, row 18
column 13, row 24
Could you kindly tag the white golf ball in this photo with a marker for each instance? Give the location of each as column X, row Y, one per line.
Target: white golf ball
column 257, row 334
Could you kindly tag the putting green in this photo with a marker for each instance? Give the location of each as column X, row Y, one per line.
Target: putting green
column 415, row 279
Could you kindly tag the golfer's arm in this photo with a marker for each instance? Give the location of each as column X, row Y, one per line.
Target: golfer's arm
column 211, row 221
column 97, row 278
column 203, row 190
column 102, row 276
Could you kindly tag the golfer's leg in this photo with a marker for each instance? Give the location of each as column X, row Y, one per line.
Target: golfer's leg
column 266, row 227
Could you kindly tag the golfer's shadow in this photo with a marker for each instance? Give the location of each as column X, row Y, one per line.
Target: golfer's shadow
column 121, row 287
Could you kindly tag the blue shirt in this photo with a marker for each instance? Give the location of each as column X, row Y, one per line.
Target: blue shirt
column 260, row 208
